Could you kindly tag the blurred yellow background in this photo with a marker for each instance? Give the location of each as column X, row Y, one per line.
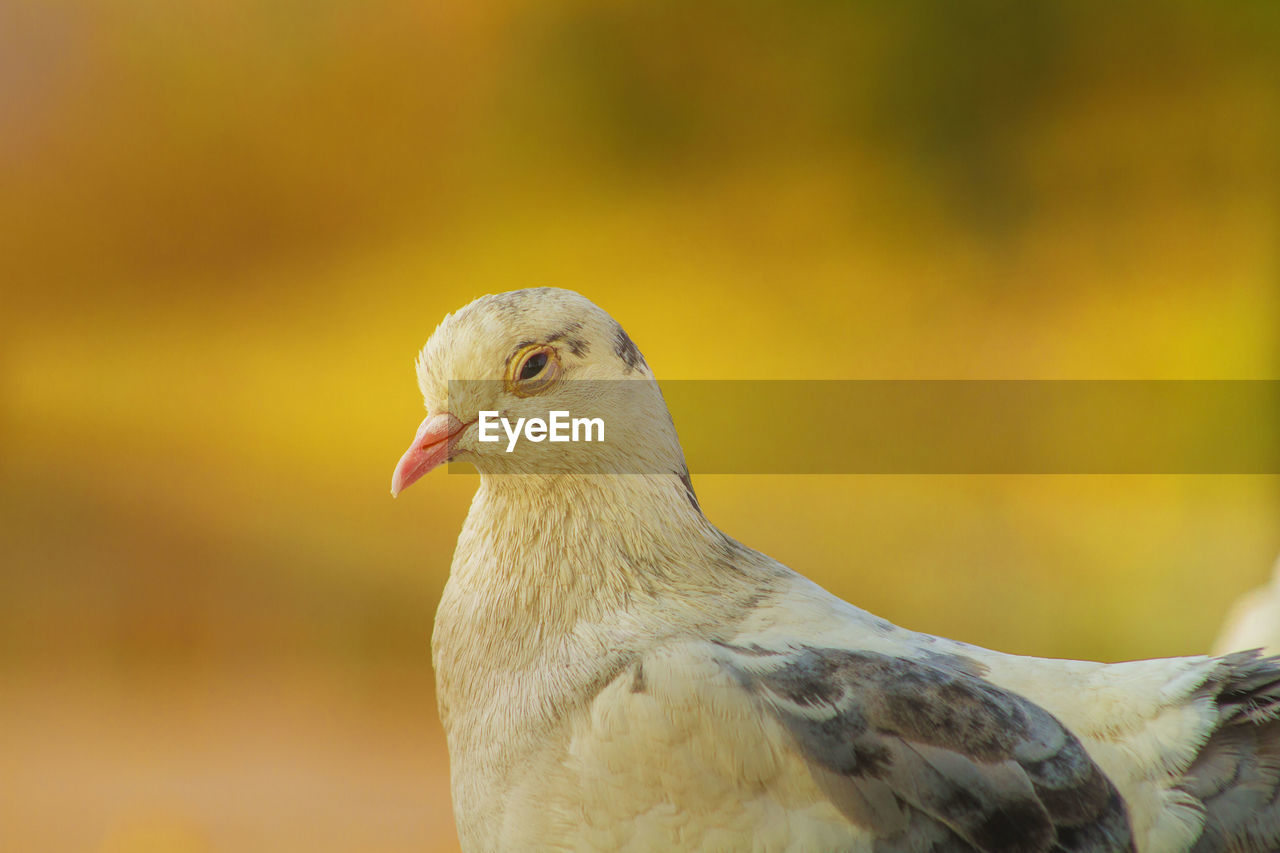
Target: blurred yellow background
column 226, row 227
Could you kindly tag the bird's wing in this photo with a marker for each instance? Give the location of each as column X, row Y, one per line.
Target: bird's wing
column 1236, row 773
column 1190, row 743
column 928, row 752
column 816, row 748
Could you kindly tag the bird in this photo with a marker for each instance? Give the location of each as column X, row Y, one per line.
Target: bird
column 613, row 672
column 1254, row 620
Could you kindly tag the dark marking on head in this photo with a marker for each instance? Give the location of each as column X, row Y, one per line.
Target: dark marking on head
column 577, row 344
column 514, row 306
column 511, row 305
column 687, row 482
column 626, row 349
column 569, row 329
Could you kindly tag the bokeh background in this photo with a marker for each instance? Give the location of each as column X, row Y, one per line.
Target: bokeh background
column 226, row 227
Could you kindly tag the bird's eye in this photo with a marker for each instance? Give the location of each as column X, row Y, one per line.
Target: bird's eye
column 532, row 369
column 533, row 365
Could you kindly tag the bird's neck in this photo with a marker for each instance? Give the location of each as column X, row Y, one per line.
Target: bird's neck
column 541, row 554
column 590, row 533
column 554, row 575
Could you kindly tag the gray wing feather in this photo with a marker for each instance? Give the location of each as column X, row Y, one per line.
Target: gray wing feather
column 1236, row 775
column 932, row 757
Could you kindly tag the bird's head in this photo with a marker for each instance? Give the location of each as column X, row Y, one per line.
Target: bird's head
column 526, row 354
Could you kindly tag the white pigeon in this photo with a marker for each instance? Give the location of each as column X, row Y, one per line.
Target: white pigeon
column 614, row 673
column 1254, row 621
